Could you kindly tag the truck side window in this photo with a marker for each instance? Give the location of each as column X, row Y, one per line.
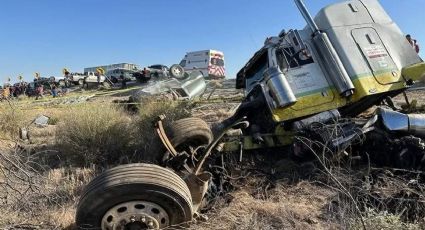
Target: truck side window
column 288, row 54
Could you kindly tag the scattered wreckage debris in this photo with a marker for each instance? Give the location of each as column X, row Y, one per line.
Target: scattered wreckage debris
column 192, row 86
column 303, row 95
column 39, row 121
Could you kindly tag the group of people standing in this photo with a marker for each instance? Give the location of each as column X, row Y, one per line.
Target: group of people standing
column 54, row 90
column 9, row 90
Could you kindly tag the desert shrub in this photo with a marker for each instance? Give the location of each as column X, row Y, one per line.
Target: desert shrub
column 11, row 120
column 35, row 198
column 95, row 134
column 383, row 220
column 283, row 207
column 53, row 121
column 148, row 143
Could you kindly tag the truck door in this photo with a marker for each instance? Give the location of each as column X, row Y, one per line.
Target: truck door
column 376, row 55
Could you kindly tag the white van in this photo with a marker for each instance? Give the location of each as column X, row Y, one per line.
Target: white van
column 209, row 62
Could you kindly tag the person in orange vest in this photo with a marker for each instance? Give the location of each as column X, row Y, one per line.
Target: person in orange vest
column 6, row 92
column 413, row 43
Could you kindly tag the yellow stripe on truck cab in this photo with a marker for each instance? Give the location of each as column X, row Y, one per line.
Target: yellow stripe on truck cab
column 325, row 99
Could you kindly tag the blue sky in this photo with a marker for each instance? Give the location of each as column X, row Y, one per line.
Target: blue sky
column 47, row 35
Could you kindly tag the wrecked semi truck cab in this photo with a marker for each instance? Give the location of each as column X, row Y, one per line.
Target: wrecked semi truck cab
column 351, row 57
column 306, row 85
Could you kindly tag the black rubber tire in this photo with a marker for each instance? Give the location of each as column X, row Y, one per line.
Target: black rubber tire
column 179, row 69
column 134, row 182
column 81, row 82
column 153, row 75
column 190, row 131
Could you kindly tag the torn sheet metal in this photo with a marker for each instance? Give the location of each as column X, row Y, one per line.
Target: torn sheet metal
column 193, row 86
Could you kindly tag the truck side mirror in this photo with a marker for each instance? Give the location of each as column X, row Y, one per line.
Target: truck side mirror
column 296, row 41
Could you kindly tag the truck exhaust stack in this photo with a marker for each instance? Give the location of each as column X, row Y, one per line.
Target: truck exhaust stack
column 327, row 52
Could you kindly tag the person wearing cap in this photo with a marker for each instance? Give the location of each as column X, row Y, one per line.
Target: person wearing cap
column 413, row 43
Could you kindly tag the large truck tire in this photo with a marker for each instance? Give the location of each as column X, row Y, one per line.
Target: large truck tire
column 190, row 131
column 135, row 196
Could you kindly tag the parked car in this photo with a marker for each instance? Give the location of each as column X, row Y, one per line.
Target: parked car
column 158, row 71
column 19, row 88
column 91, row 77
column 46, row 82
column 115, row 75
column 58, row 81
column 151, row 72
column 31, row 88
column 76, row 78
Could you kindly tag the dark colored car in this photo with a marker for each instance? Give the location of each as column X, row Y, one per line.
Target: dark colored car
column 152, row 72
column 158, row 71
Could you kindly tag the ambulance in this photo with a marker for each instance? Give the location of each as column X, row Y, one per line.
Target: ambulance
column 209, row 62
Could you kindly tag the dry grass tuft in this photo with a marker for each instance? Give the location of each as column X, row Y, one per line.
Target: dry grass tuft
column 11, row 120
column 105, row 135
column 286, row 207
column 95, row 134
column 150, row 108
column 33, row 196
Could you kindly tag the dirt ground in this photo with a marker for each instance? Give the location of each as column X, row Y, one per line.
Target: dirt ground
column 260, row 200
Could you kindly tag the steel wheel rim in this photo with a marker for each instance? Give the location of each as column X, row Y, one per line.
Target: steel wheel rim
column 177, row 71
column 135, row 215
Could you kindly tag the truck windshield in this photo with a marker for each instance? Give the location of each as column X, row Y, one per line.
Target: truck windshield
column 156, row 67
column 217, row 62
column 255, row 72
column 183, row 63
